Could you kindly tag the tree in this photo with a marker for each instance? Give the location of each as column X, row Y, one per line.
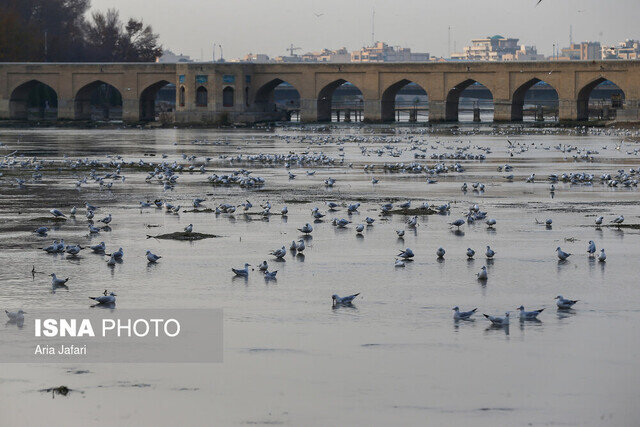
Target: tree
column 109, row 40
column 57, row 30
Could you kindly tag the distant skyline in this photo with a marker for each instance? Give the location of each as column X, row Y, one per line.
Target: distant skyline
column 191, row 27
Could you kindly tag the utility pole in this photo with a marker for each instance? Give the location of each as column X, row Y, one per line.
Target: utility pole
column 46, row 49
column 449, row 41
column 214, row 52
column 570, row 35
column 373, row 26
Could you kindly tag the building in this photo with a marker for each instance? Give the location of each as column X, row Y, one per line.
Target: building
column 169, row 57
column 382, row 52
column 628, row 49
column 326, row 55
column 524, row 53
column 583, row 51
column 258, row 58
column 490, row 49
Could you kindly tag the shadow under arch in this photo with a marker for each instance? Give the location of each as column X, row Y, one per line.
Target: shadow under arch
column 325, row 99
column 521, row 94
column 98, row 100
column 33, row 100
column 453, row 98
column 585, row 93
column 148, row 99
column 388, row 102
column 278, row 96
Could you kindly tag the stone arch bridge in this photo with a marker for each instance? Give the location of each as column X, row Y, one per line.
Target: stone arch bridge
column 235, row 92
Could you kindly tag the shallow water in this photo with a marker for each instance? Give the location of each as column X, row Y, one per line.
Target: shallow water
column 396, row 357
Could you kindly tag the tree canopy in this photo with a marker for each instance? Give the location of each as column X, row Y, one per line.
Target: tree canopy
column 58, row 30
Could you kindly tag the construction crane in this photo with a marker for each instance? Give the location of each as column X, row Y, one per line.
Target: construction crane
column 291, row 49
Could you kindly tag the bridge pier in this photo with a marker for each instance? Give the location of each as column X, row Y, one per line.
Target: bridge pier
column 437, row 111
column 501, row 110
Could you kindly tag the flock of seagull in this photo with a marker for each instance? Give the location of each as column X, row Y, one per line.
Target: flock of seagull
column 167, row 175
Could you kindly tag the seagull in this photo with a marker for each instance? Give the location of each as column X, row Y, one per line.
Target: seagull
column 341, row 223
column 359, row 228
column 243, row 272
column 57, row 282
column 284, row 211
column 112, row 260
column 562, row 255
column 440, row 252
column 483, row 273
column 497, row 320
column 93, row 230
column 293, row 246
column 344, row 300
column 279, row 253
column 270, row 275
column 565, row 303
column 56, row 213
column 106, row 219
column 470, row 253
column 306, row 229
column 16, row 317
column 399, row 263
column 99, row 249
column 457, row 223
column 73, row 211
column 490, row 223
column 406, row 254
column 602, row 257
column 42, row 231
column 529, row 315
column 90, row 207
column 412, row 222
column 90, row 214
column 152, row 257
column 599, row 220
column 52, row 248
column 369, row 220
column 591, row 249
column 264, row 266
column 105, row 299
column 118, row 254
column 188, row 229
column 400, row 233
column 490, row 253
column 73, row 250
column 462, row 315
column 619, row 220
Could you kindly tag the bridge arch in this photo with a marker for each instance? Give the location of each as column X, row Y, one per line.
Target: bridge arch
column 325, row 99
column 388, row 101
column 453, row 98
column 148, row 100
column 585, row 94
column 265, row 99
column 33, row 99
column 98, row 99
column 522, row 93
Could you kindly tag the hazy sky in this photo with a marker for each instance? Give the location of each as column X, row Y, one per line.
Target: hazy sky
column 270, row 26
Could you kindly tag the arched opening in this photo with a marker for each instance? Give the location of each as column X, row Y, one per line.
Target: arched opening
column 280, row 98
column 405, row 101
column 201, row 96
column 469, row 101
column 98, row 101
column 600, row 100
column 340, row 101
column 228, row 95
column 181, row 96
column 535, row 100
column 157, row 99
column 33, row 100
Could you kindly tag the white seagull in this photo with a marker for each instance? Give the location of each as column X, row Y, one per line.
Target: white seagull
column 565, row 303
column 562, row 255
column 591, row 249
column 490, row 253
column 483, row 273
column 497, row 320
column 105, row 299
column 152, row 257
column 343, row 300
column 57, row 282
column 242, row 272
column 529, row 315
column 462, row 315
column 16, row 316
column 440, row 252
column 602, row 257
